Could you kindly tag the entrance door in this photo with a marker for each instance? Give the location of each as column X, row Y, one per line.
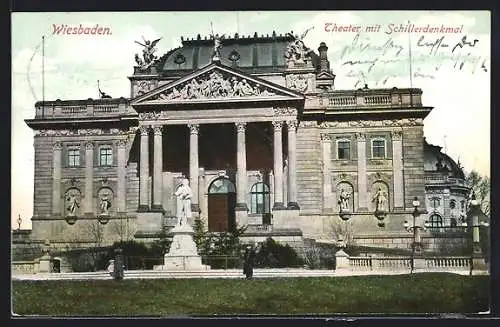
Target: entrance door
column 221, row 203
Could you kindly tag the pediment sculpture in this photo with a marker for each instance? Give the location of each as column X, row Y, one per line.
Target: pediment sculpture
column 214, row 86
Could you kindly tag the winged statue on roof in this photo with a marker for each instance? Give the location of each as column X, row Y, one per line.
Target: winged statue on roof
column 297, row 50
column 148, row 52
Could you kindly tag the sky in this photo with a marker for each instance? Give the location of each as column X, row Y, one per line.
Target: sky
column 364, row 47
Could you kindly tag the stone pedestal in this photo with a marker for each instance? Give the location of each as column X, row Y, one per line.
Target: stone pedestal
column 478, row 265
column 183, row 254
column 419, row 264
column 342, row 260
column 45, row 264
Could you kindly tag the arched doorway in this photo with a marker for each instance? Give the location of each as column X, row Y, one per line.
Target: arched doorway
column 221, row 203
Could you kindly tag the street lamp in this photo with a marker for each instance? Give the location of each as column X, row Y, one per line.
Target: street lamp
column 477, row 260
column 416, row 246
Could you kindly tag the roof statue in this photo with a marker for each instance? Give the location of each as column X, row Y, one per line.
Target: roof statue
column 296, row 50
column 217, row 46
column 148, row 56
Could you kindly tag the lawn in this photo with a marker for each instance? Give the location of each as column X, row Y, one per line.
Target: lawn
column 418, row 293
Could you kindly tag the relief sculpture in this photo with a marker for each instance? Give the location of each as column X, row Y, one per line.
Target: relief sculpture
column 214, row 86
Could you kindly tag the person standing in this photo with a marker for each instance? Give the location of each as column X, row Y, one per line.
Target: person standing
column 249, row 262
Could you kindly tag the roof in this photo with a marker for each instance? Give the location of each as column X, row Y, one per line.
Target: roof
column 437, row 161
column 253, row 54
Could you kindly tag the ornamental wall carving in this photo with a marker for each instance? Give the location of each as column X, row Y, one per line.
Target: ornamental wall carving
column 84, row 132
column 284, row 111
column 150, row 115
column 297, row 82
column 73, row 182
column 378, row 176
column 350, row 178
column 143, row 87
column 214, row 85
column 373, row 123
column 308, row 123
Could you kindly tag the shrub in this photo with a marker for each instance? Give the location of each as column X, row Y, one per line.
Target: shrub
column 275, row 255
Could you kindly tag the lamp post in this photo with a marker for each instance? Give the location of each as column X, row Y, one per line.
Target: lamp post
column 477, row 259
column 416, row 245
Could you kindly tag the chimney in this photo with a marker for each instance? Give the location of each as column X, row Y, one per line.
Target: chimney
column 323, row 57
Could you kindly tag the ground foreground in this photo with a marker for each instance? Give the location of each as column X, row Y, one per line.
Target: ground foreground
column 418, row 293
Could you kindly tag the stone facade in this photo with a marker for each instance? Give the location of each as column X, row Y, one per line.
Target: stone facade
column 264, row 140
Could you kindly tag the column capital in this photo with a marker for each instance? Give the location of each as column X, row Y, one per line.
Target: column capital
column 89, row 145
column 194, row 128
column 57, row 146
column 360, row 136
column 325, row 137
column 277, row 125
column 158, row 129
column 144, row 129
column 397, row 135
column 240, row 127
column 292, row 124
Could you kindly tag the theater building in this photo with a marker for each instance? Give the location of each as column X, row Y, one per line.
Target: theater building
column 259, row 129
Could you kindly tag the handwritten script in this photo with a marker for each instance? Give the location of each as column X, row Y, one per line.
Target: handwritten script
column 389, row 58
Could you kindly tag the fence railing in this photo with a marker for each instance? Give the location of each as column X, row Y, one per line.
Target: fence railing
column 385, row 98
column 404, row 263
column 448, row 262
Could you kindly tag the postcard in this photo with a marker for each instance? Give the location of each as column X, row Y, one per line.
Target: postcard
column 250, row 162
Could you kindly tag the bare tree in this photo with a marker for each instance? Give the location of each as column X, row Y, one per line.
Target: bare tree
column 342, row 231
column 87, row 236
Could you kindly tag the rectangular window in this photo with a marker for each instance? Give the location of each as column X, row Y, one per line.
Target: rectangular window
column 343, row 149
column 73, row 157
column 378, row 148
column 105, row 156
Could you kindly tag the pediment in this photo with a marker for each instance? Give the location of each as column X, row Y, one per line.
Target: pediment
column 216, row 83
column 325, row 75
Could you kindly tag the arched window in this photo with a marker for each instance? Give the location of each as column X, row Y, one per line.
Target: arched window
column 436, row 221
column 259, row 198
column 221, row 186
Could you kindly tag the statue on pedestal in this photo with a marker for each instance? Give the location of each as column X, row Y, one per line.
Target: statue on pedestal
column 105, row 205
column 344, row 200
column 380, row 200
column 72, row 204
column 184, row 194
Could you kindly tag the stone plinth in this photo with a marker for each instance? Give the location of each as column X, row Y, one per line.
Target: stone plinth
column 183, row 254
column 342, row 260
column 45, row 264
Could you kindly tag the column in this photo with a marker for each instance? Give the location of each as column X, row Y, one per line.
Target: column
column 56, row 178
column 144, row 169
column 194, row 165
column 121, row 205
column 328, row 199
column 278, row 166
column 241, row 160
column 158, row 169
column 397, row 169
column 292, row 165
column 362, row 193
column 89, row 178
